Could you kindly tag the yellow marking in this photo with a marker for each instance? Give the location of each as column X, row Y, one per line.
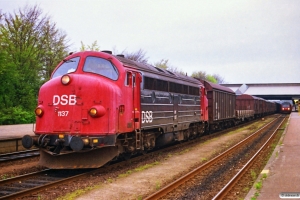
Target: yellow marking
column 265, row 171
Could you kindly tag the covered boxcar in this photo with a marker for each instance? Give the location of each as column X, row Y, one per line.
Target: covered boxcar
column 246, row 107
column 221, row 105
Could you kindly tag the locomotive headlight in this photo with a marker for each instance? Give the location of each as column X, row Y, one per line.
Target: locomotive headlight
column 86, row 141
column 93, row 112
column 95, row 141
column 97, row 111
column 39, row 112
column 65, row 79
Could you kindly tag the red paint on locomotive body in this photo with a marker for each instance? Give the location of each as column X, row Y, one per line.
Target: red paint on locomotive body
column 68, row 105
column 89, row 100
column 204, row 105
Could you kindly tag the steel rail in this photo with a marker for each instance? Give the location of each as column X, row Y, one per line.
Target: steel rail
column 18, row 155
column 22, row 177
column 44, row 184
column 226, row 189
column 170, row 187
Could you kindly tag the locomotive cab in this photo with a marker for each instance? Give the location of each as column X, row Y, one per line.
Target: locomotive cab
column 82, row 109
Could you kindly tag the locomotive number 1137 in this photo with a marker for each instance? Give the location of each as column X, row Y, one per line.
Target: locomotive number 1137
column 62, row 113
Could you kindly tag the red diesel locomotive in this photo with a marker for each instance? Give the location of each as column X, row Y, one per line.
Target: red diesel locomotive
column 97, row 107
column 286, row 108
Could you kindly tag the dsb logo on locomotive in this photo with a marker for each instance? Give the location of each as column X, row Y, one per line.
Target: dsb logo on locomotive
column 64, row 100
column 147, row 117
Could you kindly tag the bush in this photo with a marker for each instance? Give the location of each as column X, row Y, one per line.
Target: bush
column 16, row 115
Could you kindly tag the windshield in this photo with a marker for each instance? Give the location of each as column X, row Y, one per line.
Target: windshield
column 100, row 66
column 286, row 105
column 67, row 67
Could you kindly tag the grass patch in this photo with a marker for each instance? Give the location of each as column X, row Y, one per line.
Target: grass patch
column 253, row 174
column 5, row 176
column 258, row 185
column 264, row 176
column 184, row 151
column 125, row 174
column 139, row 198
column 78, row 192
column 147, row 166
column 255, row 196
column 203, row 159
column 157, row 185
column 109, row 180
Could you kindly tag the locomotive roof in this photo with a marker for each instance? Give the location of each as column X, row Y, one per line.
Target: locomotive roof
column 155, row 70
column 213, row 86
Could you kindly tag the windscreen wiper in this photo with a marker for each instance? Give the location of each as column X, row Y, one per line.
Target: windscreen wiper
column 67, row 61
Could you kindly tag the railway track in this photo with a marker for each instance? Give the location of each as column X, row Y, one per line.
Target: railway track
column 19, row 155
column 23, row 185
column 204, row 182
column 32, row 183
column 226, row 190
column 27, row 185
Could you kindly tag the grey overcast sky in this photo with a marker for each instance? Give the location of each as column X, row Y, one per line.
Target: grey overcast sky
column 244, row 41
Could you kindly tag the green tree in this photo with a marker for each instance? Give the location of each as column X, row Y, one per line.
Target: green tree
column 30, row 48
column 162, row 64
column 93, row 47
column 165, row 65
column 211, row 78
column 53, row 48
column 199, row 75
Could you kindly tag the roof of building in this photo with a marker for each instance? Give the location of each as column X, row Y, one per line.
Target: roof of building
column 278, row 91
